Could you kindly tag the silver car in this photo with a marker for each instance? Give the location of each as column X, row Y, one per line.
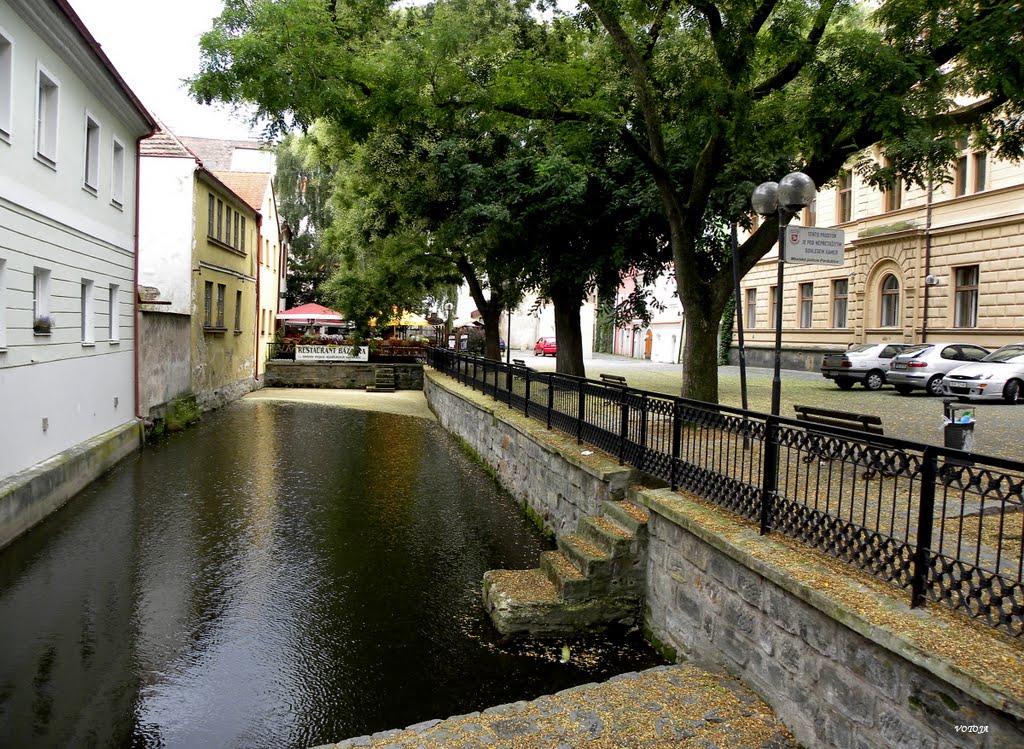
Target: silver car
column 865, row 363
column 922, row 366
column 1000, row 375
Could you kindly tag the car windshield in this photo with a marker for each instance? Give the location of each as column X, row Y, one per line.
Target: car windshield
column 1012, row 353
column 915, row 350
column 860, row 347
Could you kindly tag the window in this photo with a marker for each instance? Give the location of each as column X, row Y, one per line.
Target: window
column 47, row 105
column 840, row 297
column 209, row 216
column 751, row 311
column 965, row 305
column 960, row 176
column 227, row 224
column 92, row 154
column 892, row 194
column 208, row 304
column 238, row 311
column 3, row 303
column 890, row 316
column 6, row 84
column 238, row 218
column 810, row 214
column 844, row 198
column 980, row 170
column 220, row 219
column 242, row 245
column 88, row 323
column 221, row 291
column 806, row 305
column 114, row 313
column 773, row 303
column 40, row 294
column 117, row 174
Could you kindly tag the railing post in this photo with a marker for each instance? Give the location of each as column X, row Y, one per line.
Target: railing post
column 623, row 427
column 526, row 399
column 582, row 413
column 643, row 431
column 925, row 519
column 551, row 397
column 677, row 438
column 769, row 471
column 474, row 376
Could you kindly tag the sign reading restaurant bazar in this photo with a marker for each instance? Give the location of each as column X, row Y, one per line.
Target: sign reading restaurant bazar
column 808, row 244
column 332, row 353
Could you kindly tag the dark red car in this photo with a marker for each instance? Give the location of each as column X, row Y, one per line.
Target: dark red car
column 545, row 346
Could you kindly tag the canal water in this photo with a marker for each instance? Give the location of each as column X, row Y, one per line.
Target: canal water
column 281, row 575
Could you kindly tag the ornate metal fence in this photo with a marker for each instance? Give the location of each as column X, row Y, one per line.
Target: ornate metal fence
column 943, row 524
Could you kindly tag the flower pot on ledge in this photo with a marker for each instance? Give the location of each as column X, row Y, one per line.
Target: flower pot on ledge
column 42, row 325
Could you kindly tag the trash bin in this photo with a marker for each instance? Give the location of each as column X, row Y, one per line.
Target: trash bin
column 959, row 425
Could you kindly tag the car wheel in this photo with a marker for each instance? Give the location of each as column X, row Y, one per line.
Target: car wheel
column 845, row 384
column 874, row 380
column 1011, row 391
column 934, row 385
column 905, row 389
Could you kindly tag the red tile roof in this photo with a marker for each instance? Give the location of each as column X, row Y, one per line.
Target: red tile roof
column 249, row 186
column 164, row 143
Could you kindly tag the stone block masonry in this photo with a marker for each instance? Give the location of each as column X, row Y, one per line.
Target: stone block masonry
column 342, row 375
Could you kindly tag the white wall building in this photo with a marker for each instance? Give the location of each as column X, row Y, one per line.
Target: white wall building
column 69, row 132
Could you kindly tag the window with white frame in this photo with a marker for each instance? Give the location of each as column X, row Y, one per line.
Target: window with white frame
column 890, row 310
column 840, row 299
column 892, row 193
column 6, row 84
column 117, row 174
column 41, row 320
column 114, row 312
column 844, row 198
column 980, row 159
column 810, row 214
column 47, row 113
column 751, row 309
column 88, row 308
column 965, row 305
column 92, row 154
column 806, row 305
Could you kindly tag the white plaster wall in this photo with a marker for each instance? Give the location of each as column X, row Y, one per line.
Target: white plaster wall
column 167, row 229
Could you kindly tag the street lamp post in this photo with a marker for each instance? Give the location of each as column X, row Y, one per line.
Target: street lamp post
column 784, row 199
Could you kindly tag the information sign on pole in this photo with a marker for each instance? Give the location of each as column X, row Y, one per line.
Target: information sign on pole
column 809, row 244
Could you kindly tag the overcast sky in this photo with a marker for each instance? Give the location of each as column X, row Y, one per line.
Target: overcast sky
column 154, row 44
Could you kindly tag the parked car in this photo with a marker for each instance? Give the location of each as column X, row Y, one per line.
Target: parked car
column 545, row 346
column 1000, row 375
column 865, row 363
column 922, row 366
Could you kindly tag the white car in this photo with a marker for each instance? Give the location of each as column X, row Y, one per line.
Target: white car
column 865, row 363
column 999, row 376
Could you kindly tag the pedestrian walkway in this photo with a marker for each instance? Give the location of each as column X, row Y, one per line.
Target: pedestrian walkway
column 668, row 706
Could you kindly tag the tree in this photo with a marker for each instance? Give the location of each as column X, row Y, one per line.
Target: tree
column 710, row 97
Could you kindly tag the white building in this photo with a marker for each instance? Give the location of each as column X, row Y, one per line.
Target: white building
column 69, row 132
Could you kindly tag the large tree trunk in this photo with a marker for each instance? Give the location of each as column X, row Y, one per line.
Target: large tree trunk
column 569, row 359
column 489, row 309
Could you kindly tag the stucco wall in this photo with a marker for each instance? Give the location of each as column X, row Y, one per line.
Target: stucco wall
column 165, row 370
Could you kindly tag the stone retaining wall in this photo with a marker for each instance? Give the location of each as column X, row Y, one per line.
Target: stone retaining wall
column 282, row 373
column 840, row 656
column 542, row 469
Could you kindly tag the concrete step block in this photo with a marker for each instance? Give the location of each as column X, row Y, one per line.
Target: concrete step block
column 590, row 559
column 627, row 514
column 608, row 535
column 570, row 583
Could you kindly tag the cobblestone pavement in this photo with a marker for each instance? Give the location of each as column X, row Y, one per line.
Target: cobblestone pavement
column 998, row 431
column 668, row 706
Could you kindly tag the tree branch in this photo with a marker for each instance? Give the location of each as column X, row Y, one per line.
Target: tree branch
column 803, row 55
column 761, row 16
column 655, row 33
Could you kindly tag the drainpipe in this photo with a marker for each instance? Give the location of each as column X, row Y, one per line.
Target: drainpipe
column 135, row 282
column 257, row 316
column 927, row 259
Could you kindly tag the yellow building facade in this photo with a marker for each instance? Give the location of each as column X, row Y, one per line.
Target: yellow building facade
column 942, row 263
column 223, row 292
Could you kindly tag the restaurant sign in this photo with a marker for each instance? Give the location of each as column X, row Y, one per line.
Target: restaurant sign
column 332, row 353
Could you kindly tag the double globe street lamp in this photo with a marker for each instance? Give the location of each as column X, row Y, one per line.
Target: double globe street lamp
column 784, row 199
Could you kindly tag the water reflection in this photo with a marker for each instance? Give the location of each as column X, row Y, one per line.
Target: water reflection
column 281, row 575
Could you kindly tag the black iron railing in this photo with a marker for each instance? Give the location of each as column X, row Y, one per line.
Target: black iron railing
column 943, row 524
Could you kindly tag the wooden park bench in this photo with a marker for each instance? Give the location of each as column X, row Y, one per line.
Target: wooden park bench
column 819, row 417
column 614, row 379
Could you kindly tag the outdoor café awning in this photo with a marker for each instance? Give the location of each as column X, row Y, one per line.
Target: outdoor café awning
column 314, row 314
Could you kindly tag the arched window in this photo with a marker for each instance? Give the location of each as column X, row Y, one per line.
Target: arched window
column 890, row 317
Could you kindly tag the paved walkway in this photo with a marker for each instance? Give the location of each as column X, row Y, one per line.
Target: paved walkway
column 675, row 707
column 402, row 402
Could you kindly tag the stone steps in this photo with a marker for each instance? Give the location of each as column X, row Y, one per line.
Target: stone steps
column 593, row 580
column 383, row 380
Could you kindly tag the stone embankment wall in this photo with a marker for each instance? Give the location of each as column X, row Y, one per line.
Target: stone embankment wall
column 839, row 656
column 547, row 472
column 344, row 375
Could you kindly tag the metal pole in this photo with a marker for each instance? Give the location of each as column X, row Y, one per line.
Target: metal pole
column 784, row 217
column 739, row 318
